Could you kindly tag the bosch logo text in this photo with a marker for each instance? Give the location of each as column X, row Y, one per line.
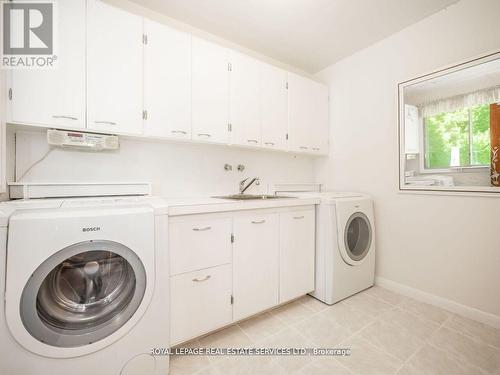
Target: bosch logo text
column 91, row 229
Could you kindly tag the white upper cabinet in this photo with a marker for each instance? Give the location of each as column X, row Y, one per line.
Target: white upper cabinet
column 55, row 97
column 245, row 114
column 308, row 115
column 167, row 81
column 320, row 125
column 3, row 151
column 210, row 96
column 119, row 73
column 115, row 66
column 274, row 107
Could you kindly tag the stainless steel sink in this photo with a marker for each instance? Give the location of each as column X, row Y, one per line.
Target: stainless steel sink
column 244, row 197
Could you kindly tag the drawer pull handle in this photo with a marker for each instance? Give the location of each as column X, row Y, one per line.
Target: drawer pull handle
column 65, row 117
column 105, row 122
column 258, row 222
column 201, row 229
column 303, row 147
column 204, row 135
column 298, row 217
column 315, row 148
column 269, row 143
column 178, row 132
column 252, row 141
column 202, row 280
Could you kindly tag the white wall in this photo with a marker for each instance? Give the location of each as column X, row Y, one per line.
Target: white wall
column 175, row 169
column 444, row 245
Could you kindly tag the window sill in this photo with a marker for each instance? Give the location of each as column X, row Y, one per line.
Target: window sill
column 456, row 170
column 473, row 191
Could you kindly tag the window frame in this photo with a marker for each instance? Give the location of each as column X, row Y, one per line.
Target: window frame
column 461, row 190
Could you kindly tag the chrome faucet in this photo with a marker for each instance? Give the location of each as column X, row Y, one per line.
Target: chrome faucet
column 244, row 186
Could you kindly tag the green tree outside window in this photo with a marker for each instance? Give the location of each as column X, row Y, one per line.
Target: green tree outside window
column 458, row 139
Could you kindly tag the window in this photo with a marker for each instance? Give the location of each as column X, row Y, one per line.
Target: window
column 458, row 139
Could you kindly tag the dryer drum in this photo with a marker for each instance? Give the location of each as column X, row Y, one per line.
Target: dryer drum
column 77, row 297
column 358, row 236
column 86, row 289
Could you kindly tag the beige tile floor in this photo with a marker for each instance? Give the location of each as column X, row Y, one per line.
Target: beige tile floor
column 386, row 332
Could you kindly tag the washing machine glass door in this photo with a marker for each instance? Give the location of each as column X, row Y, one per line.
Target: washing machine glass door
column 357, row 238
column 83, row 293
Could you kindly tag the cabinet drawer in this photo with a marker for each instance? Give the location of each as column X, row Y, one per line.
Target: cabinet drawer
column 199, row 242
column 200, row 302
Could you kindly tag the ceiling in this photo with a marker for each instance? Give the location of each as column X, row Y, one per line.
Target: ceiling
column 307, row 34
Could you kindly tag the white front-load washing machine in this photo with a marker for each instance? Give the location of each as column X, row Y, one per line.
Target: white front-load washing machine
column 85, row 286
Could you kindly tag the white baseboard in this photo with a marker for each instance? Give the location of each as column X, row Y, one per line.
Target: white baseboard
column 446, row 304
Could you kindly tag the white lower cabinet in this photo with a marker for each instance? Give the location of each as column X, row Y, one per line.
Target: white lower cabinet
column 216, row 281
column 255, row 263
column 297, row 253
column 200, row 302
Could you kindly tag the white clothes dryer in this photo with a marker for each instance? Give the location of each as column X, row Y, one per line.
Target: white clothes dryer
column 345, row 244
column 85, row 286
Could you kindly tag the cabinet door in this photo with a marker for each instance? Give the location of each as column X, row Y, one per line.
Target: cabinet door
column 210, row 86
column 167, row 81
column 320, row 125
column 200, row 302
column 255, row 263
column 308, row 114
column 244, row 100
column 3, row 135
column 297, row 252
column 55, row 97
column 115, row 68
column 274, row 105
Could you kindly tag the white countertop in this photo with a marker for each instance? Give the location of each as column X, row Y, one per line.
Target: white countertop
column 189, row 206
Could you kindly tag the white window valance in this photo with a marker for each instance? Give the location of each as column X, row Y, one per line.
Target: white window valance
column 454, row 103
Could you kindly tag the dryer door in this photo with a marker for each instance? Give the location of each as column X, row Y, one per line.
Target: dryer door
column 83, row 293
column 357, row 238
